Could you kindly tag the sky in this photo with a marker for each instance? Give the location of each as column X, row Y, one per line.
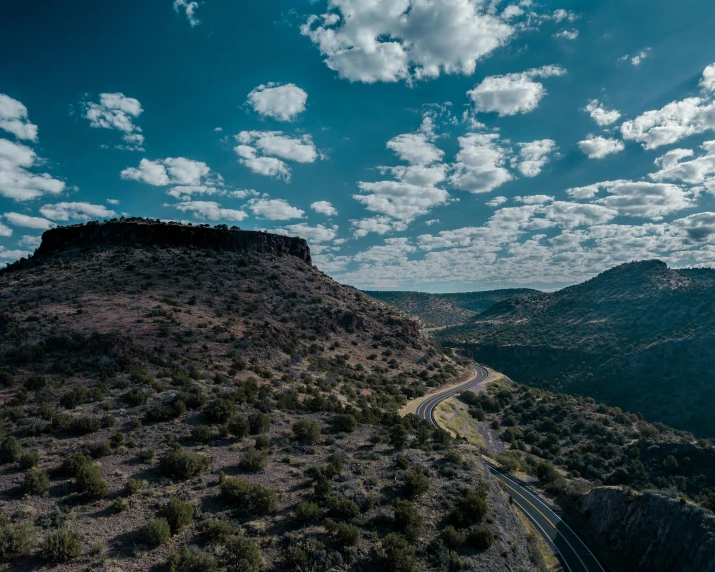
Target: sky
column 431, row 145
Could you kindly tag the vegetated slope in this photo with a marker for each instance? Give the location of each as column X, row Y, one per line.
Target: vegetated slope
column 638, row 336
column 436, row 310
column 230, row 397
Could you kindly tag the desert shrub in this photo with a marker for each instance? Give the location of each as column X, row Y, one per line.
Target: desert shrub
column 239, row 427
column 155, row 532
column 399, row 436
column 344, row 423
column 16, row 540
column 218, row 531
column 241, row 555
column 89, row 481
column 191, row 559
column 472, row 508
column 100, row 449
column 201, row 433
column 74, row 397
column 342, row 507
column 263, row 442
column 307, row 511
column 71, row 464
column 29, row 459
column 546, row 472
column 120, row 504
column 452, row 537
column 306, row 431
column 396, row 555
column 137, row 396
column 402, row 463
column 61, row 421
column 253, row 460
column 183, row 465
column 408, row 519
column 35, row 482
column 345, row 534
column 85, row 425
column 10, row 450
column 416, row 482
column 118, row 439
column 62, row 546
column 6, row 378
column 480, row 537
column 178, row 514
column 133, row 486
column 258, row 423
column 247, row 496
column 162, row 412
column 219, row 410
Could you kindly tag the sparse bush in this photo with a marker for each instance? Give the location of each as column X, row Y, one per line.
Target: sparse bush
column 120, row 504
column 155, row 532
column 118, row 439
column 85, row 425
column 61, row 421
column 253, row 460
column 100, row 449
column 250, row 497
column 344, row 423
column 263, row 442
column 396, row 555
column 162, row 412
column 191, row 559
column 36, row 482
column 218, row 531
column 72, row 464
column 201, row 433
column 306, row 431
column 16, row 540
column 399, row 436
column 241, row 555
column 239, row 427
column 480, row 537
column 74, row 397
column 6, row 378
column 10, row 450
column 472, row 508
column 408, row 519
column 345, row 534
column 416, row 482
column 62, row 546
column 183, row 465
column 219, row 410
column 89, row 481
column 259, row 423
column 29, row 459
column 133, row 486
column 307, row 511
column 178, row 514
column 342, row 507
column 452, row 537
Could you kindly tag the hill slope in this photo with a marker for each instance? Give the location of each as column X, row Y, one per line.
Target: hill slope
column 437, row 310
column 140, row 373
column 639, row 336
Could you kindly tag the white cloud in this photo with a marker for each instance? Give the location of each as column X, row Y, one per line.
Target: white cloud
column 324, row 207
column 431, row 222
column 13, row 118
column 112, row 201
column 210, row 210
column 267, row 166
column 30, row 241
column 587, row 192
column 512, row 93
column 534, row 199
column 187, row 177
column 282, row 102
column 534, row 155
column 274, row 209
column 116, row 111
column 570, row 215
column 560, row 15
column 16, row 182
column 376, row 224
column 189, row 9
column 400, row 200
column 76, row 211
column 600, row 114
column 698, row 227
column 567, row 34
column 392, row 40
column 313, row 234
column 275, row 148
column 639, row 57
column 26, row 221
column 415, row 148
column 707, row 82
column 480, row 163
column 642, row 199
column 5, row 230
column 695, row 171
column 496, row 201
column 600, row 147
column 395, row 250
column 12, row 254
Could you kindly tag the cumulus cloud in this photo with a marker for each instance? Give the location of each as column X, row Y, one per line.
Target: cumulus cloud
column 570, row 215
column 400, row 200
column 185, row 176
column 189, row 9
column 698, row 227
column 643, row 199
column 76, row 211
column 388, row 40
column 6, row 254
column 600, row 147
column 694, row 171
column 117, row 111
column 281, row 102
column 707, row 82
column 16, row 181
column 210, row 210
column 313, row 234
column 265, row 152
column 512, row 93
column 415, row 148
column 496, row 201
column 395, row 250
column 560, row 15
column 600, row 114
column 324, row 207
column 377, row 225
column 274, row 209
column 5, row 230
column 636, row 59
column 567, row 34
column 533, row 156
column 480, row 165
column 13, row 118
column 29, row 241
column 18, row 219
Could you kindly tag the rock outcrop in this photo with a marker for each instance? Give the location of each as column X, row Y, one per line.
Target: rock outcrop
column 146, row 232
column 650, row 532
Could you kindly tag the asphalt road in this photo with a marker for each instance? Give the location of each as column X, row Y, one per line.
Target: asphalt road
column 573, row 553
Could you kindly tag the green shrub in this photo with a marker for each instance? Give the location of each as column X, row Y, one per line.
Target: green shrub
column 253, row 460
column 247, row 496
column 6, row 378
column 259, row 423
column 118, row 439
column 201, row 433
column 61, row 421
column 547, row 473
column 472, row 508
column 71, row 464
column 306, row 431
column 263, row 442
column 345, row 534
column 399, row 436
column 162, row 412
column 120, row 504
column 408, row 519
column 239, row 427
column 241, row 555
column 344, row 423
column 16, row 540
column 74, row 397
column 10, row 450
column 133, row 486
column 178, row 514
column 29, row 460
column 218, row 531
column 191, row 559
column 155, row 532
column 416, row 482
column 342, row 508
column 403, row 463
column 307, row 511
column 396, row 555
column 85, row 425
column 36, row 482
column 183, row 465
column 100, row 449
column 89, row 481
column 62, row 546
column 480, row 537
column 452, row 537
column 137, row 396
column 219, row 410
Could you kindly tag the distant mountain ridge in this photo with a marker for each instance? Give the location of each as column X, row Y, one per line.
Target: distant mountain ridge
column 437, row 310
column 638, row 336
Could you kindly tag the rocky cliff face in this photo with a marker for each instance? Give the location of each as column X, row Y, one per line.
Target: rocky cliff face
column 650, row 532
column 143, row 232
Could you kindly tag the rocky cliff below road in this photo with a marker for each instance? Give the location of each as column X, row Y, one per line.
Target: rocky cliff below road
column 650, row 532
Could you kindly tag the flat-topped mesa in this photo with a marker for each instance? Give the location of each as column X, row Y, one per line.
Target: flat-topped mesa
column 147, row 232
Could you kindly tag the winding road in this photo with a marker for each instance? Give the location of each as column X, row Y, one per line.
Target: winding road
column 573, row 553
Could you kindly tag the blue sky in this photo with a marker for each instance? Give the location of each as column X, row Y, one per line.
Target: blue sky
column 436, row 145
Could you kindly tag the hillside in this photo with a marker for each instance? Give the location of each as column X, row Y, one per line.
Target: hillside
column 638, row 336
column 167, row 386
column 437, row 310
